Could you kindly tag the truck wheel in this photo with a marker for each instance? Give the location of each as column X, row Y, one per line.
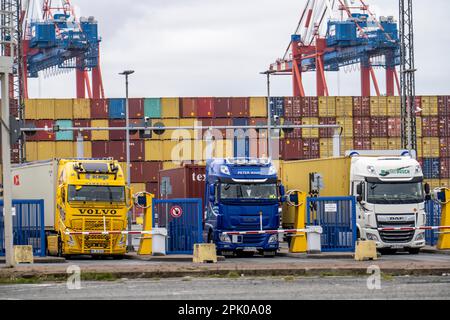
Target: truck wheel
column 210, row 237
column 414, row 250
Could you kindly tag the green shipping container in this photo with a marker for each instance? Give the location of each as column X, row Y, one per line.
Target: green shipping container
column 64, row 135
column 152, row 108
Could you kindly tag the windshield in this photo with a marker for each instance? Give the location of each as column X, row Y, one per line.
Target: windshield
column 395, row 193
column 249, row 191
column 96, row 194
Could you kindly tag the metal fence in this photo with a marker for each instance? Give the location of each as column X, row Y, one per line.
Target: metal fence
column 433, row 211
column 28, row 226
column 183, row 220
column 337, row 217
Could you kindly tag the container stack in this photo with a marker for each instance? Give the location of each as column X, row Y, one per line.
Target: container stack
column 369, row 123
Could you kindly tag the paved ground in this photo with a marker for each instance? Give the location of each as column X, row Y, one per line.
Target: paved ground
column 288, row 288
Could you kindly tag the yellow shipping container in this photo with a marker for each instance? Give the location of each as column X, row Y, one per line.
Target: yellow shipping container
column 378, row 107
column 197, row 150
column 380, row 144
column 87, row 146
column 258, row 107
column 167, row 135
column 30, row 109
column 138, row 187
column 435, row 183
column 176, row 151
column 393, row 106
column 46, row 150
column 64, row 150
column 189, row 122
column 45, row 109
column 295, row 175
column 326, row 148
column 430, row 147
column 429, row 106
column 347, row 125
column 153, row 150
column 419, row 148
column 347, row 144
column 395, row 143
column 167, row 165
column 170, row 108
column 218, row 149
column 81, row 109
column 419, row 126
column 100, row 135
column 63, row 109
column 123, row 165
column 31, row 151
column 344, row 106
column 327, row 106
column 310, row 133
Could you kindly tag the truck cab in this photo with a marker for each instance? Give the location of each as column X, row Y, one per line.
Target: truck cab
column 242, row 194
column 390, row 194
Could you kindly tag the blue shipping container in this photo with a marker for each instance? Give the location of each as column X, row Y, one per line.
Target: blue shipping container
column 432, row 168
column 152, row 108
column 241, row 139
column 277, row 106
column 117, row 108
column 64, row 135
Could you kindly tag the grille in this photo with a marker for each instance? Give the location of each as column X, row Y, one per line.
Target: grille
column 95, row 241
column 396, row 236
column 253, row 239
column 96, row 225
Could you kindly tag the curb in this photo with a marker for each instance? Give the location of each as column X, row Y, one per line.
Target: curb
column 167, row 258
column 42, row 260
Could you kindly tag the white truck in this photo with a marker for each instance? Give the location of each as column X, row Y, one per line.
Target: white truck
column 389, row 187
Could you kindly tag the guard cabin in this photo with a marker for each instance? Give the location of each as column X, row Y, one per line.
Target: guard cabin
column 242, row 194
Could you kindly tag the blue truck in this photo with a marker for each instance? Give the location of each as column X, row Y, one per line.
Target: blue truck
column 242, row 194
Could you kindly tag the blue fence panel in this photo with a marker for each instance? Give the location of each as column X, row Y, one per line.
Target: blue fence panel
column 28, row 226
column 433, row 211
column 337, row 217
column 183, row 220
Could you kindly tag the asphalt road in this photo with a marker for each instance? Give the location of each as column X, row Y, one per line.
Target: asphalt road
column 241, row 288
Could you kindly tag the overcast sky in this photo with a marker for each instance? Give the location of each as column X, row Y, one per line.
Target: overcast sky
column 218, row 47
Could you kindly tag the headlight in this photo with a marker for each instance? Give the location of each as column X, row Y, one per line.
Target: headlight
column 273, row 238
column 225, row 238
column 418, row 169
column 272, row 171
column 372, row 237
column 225, row 170
column 420, row 236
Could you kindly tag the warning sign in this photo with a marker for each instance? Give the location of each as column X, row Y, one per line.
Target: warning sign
column 176, row 212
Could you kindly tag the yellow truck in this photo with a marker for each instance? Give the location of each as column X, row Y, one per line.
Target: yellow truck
column 389, row 188
column 85, row 202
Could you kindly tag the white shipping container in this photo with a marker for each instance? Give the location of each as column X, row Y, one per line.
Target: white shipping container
column 36, row 181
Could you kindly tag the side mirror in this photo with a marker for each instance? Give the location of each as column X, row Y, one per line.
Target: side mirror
column 360, row 191
column 427, row 189
column 212, row 193
column 282, row 190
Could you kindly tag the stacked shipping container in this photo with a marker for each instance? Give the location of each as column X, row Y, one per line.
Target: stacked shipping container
column 368, row 123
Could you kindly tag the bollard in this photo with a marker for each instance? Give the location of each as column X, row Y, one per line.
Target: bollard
column 145, row 246
column 298, row 242
column 444, row 237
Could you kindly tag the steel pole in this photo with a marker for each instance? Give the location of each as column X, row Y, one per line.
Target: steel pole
column 127, row 115
column 269, row 120
column 7, row 187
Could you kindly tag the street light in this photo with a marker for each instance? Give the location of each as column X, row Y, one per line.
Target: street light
column 127, row 73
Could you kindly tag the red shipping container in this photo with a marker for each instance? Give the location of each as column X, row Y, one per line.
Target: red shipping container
column 15, row 153
column 444, row 126
column 137, row 172
column 186, row 182
column 239, row 107
column 445, row 168
column 13, row 108
column 136, row 108
column 310, row 148
column 118, row 135
column 87, row 134
column 361, row 106
column 100, row 149
column 290, row 149
column 222, row 122
column 379, row 127
column 151, row 171
column 394, row 127
column 309, row 107
column 99, row 109
column 361, row 127
column 297, row 132
column 42, row 135
column 117, row 150
column 152, row 187
column 188, row 107
column 444, row 147
column 288, row 107
column 362, row 144
column 222, row 107
column 443, row 105
column 430, row 126
column 205, row 107
column 137, row 151
column 327, row 133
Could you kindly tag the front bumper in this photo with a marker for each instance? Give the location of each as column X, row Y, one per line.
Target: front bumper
column 249, row 243
column 417, row 241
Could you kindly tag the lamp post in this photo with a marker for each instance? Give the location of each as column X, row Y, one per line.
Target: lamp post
column 127, row 73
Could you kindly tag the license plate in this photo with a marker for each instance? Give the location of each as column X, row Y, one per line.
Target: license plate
column 397, row 247
column 249, row 249
column 97, row 251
